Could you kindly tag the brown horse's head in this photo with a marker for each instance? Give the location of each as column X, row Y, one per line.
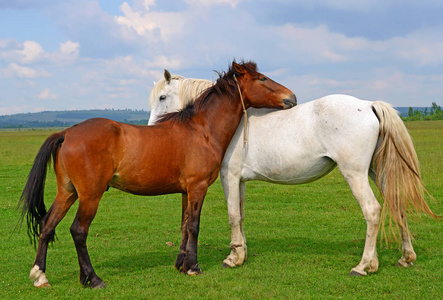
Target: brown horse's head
column 259, row 90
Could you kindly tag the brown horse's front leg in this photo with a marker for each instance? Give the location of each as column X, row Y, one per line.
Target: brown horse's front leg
column 195, row 203
column 182, row 254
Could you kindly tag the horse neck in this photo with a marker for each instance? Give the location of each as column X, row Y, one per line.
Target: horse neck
column 219, row 121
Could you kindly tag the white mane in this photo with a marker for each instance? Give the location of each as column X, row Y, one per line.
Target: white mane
column 191, row 88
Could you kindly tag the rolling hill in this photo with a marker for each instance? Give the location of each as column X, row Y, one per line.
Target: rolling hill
column 71, row 117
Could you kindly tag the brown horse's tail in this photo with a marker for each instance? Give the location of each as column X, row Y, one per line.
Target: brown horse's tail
column 397, row 168
column 33, row 193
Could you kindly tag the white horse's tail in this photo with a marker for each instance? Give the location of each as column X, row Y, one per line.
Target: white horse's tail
column 397, row 168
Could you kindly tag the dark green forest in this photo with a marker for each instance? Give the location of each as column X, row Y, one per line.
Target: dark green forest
column 425, row 114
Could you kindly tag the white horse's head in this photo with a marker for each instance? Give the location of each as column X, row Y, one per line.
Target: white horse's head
column 164, row 96
column 172, row 93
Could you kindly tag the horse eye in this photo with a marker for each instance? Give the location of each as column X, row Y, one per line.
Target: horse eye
column 263, row 78
column 162, row 97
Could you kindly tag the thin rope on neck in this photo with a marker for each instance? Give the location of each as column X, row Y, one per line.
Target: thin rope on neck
column 245, row 126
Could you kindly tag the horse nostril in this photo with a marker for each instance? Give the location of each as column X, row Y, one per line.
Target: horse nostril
column 290, row 102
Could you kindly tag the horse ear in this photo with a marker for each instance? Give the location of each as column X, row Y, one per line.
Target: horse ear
column 239, row 69
column 167, row 76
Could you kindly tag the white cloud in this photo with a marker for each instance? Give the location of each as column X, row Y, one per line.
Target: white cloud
column 163, row 62
column 69, row 48
column 156, row 26
column 125, row 67
column 32, row 52
column 46, row 94
column 321, row 45
column 66, row 55
column 148, row 3
column 313, row 45
column 232, row 3
column 346, row 5
column 126, row 82
column 424, row 47
column 14, row 70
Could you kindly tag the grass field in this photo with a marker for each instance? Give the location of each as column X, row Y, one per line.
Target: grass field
column 302, row 240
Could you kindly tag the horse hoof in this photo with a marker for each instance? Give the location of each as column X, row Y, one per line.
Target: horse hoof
column 44, row 285
column 39, row 277
column 194, row 270
column 228, row 263
column 356, row 273
column 99, row 286
column 403, row 264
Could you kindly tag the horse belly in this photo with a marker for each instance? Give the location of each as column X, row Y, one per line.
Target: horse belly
column 284, row 172
column 147, row 185
column 283, row 148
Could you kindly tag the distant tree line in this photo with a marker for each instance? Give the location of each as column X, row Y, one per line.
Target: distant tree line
column 37, row 124
column 434, row 113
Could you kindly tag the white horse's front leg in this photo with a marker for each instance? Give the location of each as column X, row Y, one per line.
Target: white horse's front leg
column 371, row 210
column 242, row 215
column 231, row 186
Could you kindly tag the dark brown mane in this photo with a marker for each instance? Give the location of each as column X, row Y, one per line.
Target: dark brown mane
column 225, row 85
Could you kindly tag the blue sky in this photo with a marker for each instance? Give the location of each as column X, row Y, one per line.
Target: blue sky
column 62, row 55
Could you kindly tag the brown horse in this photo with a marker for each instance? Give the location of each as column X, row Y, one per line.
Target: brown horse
column 182, row 154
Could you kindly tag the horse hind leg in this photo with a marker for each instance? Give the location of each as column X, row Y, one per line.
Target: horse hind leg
column 63, row 201
column 362, row 191
column 79, row 230
column 408, row 253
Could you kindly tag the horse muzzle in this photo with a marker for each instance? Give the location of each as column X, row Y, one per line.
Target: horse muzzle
column 290, row 102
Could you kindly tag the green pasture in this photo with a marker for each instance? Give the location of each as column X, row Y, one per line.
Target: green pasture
column 302, row 240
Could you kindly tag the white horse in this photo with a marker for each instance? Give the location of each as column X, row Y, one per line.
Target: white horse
column 305, row 143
